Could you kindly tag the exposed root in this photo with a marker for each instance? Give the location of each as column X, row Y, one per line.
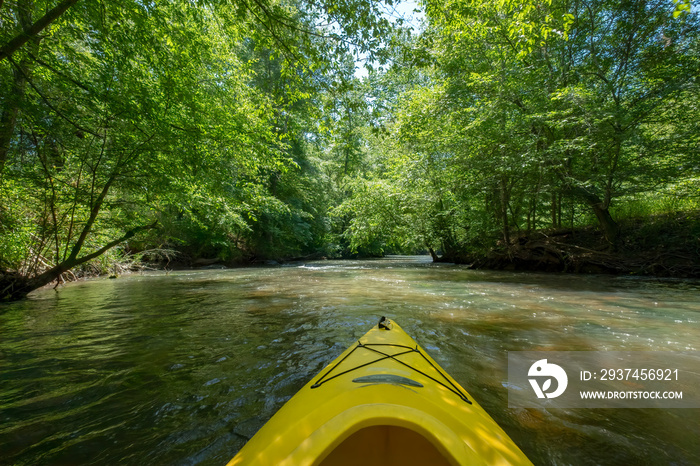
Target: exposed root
column 666, row 246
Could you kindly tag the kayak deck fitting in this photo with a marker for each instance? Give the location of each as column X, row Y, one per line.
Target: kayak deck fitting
column 384, row 401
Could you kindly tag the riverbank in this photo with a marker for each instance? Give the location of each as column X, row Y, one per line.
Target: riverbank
column 663, row 245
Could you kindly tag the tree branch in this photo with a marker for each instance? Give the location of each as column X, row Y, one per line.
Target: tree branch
column 91, row 220
column 48, row 103
column 61, row 74
column 20, row 39
column 129, row 234
column 55, row 272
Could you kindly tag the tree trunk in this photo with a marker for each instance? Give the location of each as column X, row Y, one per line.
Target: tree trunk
column 13, row 102
column 14, row 286
column 559, row 209
column 504, row 201
column 8, row 117
column 433, row 254
column 608, row 226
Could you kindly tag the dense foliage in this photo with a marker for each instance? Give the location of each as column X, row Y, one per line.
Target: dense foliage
column 522, row 116
column 239, row 131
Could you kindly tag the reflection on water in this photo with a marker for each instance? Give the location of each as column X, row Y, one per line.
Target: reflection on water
column 183, row 368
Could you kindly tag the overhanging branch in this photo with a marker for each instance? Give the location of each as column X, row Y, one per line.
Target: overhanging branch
column 129, row 234
column 32, row 31
column 56, row 271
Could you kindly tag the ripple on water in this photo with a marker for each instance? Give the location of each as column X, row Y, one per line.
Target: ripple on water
column 184, row 368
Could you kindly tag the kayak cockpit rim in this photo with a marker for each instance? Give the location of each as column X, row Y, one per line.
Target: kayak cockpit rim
column 380, row 430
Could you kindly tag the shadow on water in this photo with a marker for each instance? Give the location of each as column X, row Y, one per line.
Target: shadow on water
column 182, row 369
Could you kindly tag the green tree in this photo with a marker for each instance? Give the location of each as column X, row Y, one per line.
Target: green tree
column 524, row 109
column 122, row 111
column 118, row 116
column 556, row 97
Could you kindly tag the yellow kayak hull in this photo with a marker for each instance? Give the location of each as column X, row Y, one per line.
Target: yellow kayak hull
column 384, row 401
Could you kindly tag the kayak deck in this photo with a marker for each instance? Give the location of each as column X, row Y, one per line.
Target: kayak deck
column 399, row 353
column 383, row 401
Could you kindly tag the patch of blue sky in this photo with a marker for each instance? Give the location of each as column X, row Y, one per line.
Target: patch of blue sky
column 407, row 14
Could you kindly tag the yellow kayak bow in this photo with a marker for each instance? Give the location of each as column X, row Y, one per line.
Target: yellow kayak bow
column 384, row 401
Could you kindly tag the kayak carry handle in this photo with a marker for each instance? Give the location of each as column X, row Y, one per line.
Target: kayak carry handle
column 385, row 323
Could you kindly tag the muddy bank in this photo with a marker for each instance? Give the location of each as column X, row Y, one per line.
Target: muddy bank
column 664, row 246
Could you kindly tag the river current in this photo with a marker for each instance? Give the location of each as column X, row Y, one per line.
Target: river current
column 182, row 368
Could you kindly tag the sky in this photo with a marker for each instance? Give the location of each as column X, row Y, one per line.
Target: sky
column 402, row 10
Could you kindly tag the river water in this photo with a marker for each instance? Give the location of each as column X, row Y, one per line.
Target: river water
column 183, row 368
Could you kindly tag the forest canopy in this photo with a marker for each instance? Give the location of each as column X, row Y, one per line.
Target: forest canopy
column 240, row 131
